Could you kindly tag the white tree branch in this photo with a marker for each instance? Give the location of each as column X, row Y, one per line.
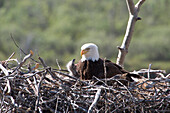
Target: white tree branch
column 138, row 5
column 133, row 17
column 97, row 96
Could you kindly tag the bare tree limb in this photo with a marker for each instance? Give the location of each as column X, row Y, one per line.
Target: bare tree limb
column 133, row 17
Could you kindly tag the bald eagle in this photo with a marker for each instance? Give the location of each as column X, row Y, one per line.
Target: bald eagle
column 92, row 65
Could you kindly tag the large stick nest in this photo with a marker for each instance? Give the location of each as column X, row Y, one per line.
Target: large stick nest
column 25, row 87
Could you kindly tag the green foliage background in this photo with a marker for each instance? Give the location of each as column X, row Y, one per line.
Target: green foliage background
column 56, row 29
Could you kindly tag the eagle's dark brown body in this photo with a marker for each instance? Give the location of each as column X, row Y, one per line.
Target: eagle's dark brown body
column 88, row 69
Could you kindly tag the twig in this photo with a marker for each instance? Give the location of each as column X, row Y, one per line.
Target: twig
column 4, row 70
column 9, row 57
column 16, row 44
column 48, row 69
column 105, row 71
column 38, row 90
column 58, row 64
column 20, row 47
column 126, row 89
column 24, row 60
column 97, row 96
column 67, row 75
column 141, row 71
column 56, row 106
column 149, row 70
column 8, row 83
column 7, row 87
column 32, row 86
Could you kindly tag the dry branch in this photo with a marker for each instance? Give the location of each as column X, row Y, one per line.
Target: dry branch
column 97, row 96
column 133, row 17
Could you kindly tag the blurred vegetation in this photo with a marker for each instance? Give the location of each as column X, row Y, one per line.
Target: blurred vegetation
column 56, row 29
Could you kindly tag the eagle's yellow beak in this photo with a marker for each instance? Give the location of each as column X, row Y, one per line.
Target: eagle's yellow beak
column 83, row 52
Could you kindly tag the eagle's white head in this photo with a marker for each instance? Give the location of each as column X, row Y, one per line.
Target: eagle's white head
column 89, row 51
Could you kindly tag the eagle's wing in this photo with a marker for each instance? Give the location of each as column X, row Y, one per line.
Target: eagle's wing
column 113, row 69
